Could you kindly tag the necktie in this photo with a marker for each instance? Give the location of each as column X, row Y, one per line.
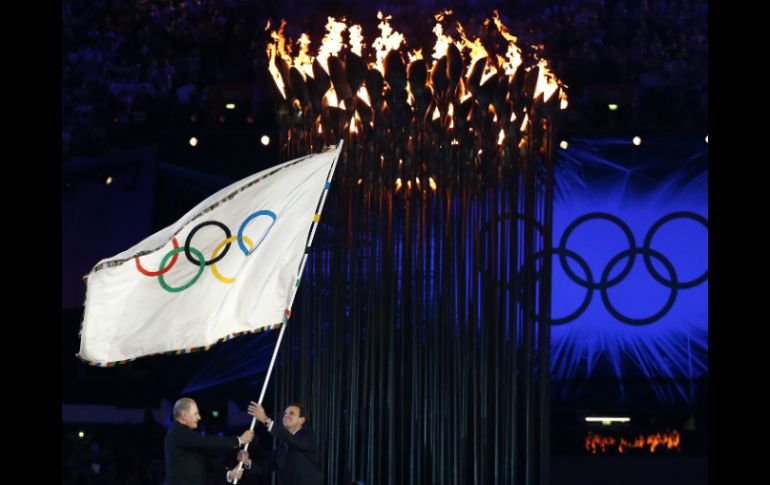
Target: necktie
column 280, row 454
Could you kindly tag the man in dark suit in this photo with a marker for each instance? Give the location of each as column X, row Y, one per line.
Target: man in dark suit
column 187, row 460
column 296, row 458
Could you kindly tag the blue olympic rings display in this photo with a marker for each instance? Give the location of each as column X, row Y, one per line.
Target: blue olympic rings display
column 605, row 282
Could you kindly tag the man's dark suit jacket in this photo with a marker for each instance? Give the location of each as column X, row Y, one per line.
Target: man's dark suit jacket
column 187, row 454
column 296, row 458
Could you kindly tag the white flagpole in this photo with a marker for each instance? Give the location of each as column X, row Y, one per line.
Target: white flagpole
column 299, row 275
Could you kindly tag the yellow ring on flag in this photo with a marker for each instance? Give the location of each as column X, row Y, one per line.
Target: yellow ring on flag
column 214, row 270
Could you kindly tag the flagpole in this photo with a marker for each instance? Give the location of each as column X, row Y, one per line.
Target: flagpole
column 299, row 276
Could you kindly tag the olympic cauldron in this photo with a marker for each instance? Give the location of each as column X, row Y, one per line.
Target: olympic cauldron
column 476, row 107
column 432, row 261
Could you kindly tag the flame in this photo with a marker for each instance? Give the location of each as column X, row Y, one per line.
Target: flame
column 594, row 442
column 440, row 16
column 513, row 54
column 513, row 60
column 415, row 55
column 546, row 81
column 670, row 441
column 398, row 184
column 432, row 183
column 477, row 51
column 356, row 39
column 454, row 142
column 442, row 41
column 282, row 48
column 471, row 50
column 501, row 137
column 332, row 42
column 355, row 120
column 363, row 95
column 304, row 62
column 489, row 71
column 624, row 444
column 388, row 40
column 278, row 47
column 409, row 184
column 525, row 122
column 320, row 129
column 417, row 182
column 360, row 181
column 464, row 93
column 274, row 70
column 330, row 98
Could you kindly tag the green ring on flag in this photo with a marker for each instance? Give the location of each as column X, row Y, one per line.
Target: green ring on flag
column 201, row 268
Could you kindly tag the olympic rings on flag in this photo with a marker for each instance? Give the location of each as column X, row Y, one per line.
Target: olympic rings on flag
column 196, row 258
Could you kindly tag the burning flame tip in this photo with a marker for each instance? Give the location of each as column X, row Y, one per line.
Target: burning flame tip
column 471, row 50
column 670, row 441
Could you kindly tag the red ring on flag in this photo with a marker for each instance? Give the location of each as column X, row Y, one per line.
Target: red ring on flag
column 162, row 271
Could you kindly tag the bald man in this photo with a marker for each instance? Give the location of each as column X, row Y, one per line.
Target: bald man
column 187, row 451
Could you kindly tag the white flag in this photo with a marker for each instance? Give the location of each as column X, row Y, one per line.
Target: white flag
column 229, row 266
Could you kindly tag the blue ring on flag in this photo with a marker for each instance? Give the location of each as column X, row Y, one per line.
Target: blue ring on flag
column 253, row 216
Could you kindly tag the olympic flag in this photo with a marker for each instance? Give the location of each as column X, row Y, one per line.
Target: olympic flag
column 230, row 266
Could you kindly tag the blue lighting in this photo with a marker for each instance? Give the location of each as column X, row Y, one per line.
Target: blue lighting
column 630, row 272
